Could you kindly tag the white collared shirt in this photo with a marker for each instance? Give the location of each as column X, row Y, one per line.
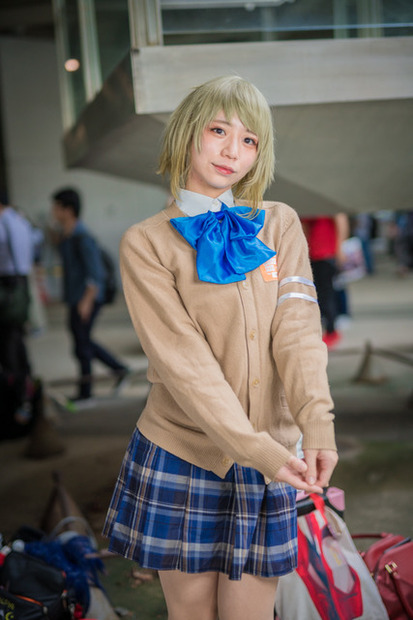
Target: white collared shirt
column 192, row 203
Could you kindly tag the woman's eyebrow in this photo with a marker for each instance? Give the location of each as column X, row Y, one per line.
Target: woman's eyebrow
column 225, row 122
column 221, row 120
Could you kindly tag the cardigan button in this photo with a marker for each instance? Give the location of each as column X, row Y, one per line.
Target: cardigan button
column 225, row 461
column 256, row 382
column 253, row 333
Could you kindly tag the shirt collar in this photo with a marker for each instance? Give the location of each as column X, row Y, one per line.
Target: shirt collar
column 192, row 203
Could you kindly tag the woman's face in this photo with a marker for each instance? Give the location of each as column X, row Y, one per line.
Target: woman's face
column 228, row 152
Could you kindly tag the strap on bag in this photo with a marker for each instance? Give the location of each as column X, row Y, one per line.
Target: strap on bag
column 320, row 505
column 10, row 246
column 15, row 296
column 373, row 554
column 370, row 535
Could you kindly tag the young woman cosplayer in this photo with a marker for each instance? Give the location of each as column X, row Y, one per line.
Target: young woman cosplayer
column 220, row 292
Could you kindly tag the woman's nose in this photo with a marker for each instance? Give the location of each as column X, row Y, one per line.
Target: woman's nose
column 231, row 148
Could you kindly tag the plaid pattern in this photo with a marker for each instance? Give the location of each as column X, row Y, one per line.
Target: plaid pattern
column 167, row 514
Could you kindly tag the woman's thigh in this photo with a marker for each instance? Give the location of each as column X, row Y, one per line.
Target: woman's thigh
column 190, row 596
column 251, row 598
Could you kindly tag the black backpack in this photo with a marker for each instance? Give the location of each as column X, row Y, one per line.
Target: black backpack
column 30, row 589
column 111, row 284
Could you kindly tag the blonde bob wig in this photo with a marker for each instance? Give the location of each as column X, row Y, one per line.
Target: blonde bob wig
column 234, row 96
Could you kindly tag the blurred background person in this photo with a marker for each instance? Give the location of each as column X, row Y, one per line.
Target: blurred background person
column 325, row 235
column 83, row 290
column 364, row 229
column 18, row 241
column 403, row 242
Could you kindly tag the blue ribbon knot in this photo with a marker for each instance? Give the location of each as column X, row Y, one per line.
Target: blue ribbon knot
column 226, row 243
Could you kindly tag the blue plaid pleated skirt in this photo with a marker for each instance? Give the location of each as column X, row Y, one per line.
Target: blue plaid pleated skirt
column 167, row 514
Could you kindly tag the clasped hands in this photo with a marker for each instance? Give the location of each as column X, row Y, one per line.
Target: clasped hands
column 310, row 474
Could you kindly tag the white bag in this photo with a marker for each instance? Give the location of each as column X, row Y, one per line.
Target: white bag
column 331, row 581
column 354, row 266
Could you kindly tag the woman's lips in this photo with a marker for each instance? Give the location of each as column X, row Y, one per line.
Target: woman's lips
column 224, row 169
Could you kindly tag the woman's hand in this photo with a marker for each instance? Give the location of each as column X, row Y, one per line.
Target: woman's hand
column 311, row 474
column 295, row 473
column 86, row 303
column 84, row 308
column 320, row 466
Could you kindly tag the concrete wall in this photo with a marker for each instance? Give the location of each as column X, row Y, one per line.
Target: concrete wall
column 343, row 114
column 34, row 155
column 304, row 72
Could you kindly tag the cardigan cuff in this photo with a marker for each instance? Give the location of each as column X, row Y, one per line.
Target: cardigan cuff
column 319, row 436
column 271, row 457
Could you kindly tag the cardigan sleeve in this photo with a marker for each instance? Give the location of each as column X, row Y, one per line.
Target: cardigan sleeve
column 299, row 353
column 184, row 362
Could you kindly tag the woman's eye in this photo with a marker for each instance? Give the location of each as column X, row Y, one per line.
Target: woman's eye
column 218, row 130
column 251, row 141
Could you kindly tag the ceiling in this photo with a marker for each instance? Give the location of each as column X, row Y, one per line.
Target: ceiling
column 26, row 18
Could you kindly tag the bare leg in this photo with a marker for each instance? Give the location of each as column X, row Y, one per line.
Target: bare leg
column 251, row 598
column 190, row 596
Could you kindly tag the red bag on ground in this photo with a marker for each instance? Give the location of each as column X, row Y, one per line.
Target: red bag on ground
column 390, row 561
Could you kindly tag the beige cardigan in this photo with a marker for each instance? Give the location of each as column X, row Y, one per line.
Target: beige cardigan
column 237, row 370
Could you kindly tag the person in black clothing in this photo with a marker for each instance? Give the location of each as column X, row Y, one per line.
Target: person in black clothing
column 17, row 246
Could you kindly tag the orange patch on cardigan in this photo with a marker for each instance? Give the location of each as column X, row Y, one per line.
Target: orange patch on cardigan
column 269, row 270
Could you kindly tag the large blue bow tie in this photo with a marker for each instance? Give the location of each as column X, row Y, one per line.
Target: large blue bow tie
column 226, row 243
